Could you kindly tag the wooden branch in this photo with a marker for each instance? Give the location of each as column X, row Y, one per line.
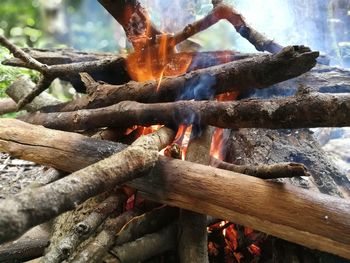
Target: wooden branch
column 192, row 233
column 23, row 86
column 223, row 11
column 7, row 106
column 49, row 73
column 145, row 224
column 266, row 206
column 100, row 245
column 64, row 248
column 133, row 18
column 29, row 246
column 34, row 206
column 239, row 76
column 304, row 110
column 264, row 171
column 147, row 246
column 36, row 143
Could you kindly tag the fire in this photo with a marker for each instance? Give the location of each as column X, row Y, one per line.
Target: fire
column 216, row 149
column 182, row 138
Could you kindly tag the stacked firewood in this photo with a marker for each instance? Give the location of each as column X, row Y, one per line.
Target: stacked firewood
column 91, row 195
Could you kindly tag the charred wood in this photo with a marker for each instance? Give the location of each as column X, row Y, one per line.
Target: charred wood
column 241, row 76
column 304, row 110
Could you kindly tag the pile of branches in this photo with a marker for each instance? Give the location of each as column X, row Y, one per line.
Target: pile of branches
column 91, row 192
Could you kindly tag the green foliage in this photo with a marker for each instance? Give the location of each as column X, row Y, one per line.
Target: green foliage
column 9, row 74
column 19, row 21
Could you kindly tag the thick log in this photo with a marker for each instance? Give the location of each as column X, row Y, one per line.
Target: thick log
column 192, row 233
column 270, row 207
column 241, row 76
column 264, row 171
column 34, row 206
column 7, row 106
column 304, row 110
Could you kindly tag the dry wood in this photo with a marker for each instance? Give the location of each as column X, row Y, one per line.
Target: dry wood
column 7, row 106
column 223, row 11
column 114, row 73
column 145, row 224
column 64, row 248
column 31, row 207
column 192, row 232
column 147, row 246
column 242, row 76
column 100, row 245
column 264, row 171
column 266, row 206
column 23, row 86
column 29, row 246
column 304, row 110
column 49, row 73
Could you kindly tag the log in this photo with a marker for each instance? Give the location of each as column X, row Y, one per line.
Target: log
column 239, row 76
column 34, row 206
column 7, row 106
column 68, row 242
column 23, row 86
column 29, row 246
column 100, row 245
column 304, row 110
column 192, row 232
column 145, row 224
column 264, row 171
column 323, row 223
column 147, row 246
column 114, row 73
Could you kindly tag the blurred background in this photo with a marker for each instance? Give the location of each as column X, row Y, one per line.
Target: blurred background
column 323, row 25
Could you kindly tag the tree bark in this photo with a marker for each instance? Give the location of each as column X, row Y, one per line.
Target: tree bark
column 304, row 110
column 7, row 106
column 238, row 76
column 34, row 206
column 323, row 223
column 193, row 236
column 264, row 171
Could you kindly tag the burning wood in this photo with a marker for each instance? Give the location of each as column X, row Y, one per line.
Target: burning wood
column 100, row 221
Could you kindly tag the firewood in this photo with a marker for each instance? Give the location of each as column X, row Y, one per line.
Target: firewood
column 22, row 211
column 100, row 245
column 29, row 246
column 264, row 171
column 147, row 246
column 145, row 224
column 49, row 73
column 223, row 11
column 64, row 248
column 239, row 76
column 7, row 106
column 323, row 223
column 193, row 236
column 304, row 110
column 23, row 86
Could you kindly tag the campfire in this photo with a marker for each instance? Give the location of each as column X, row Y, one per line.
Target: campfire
column 162, row 160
